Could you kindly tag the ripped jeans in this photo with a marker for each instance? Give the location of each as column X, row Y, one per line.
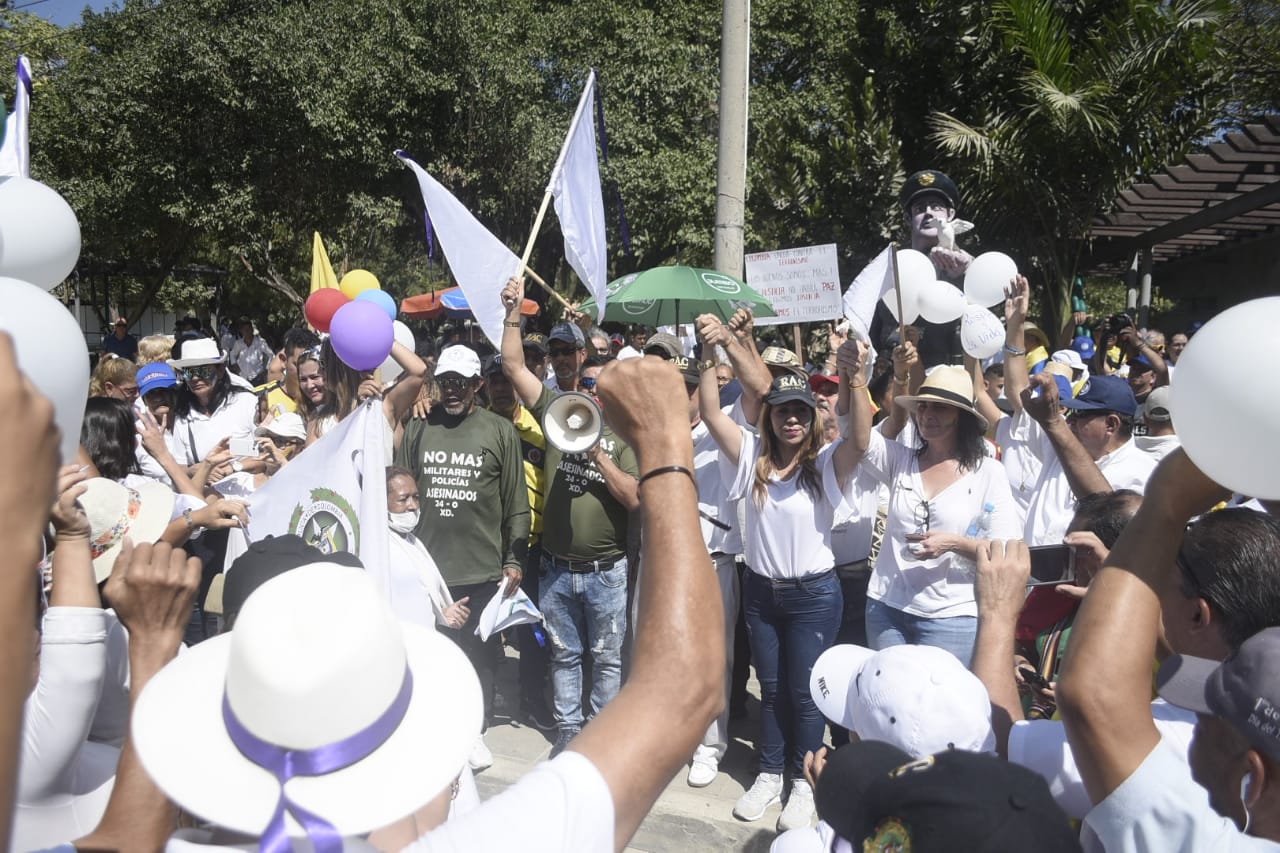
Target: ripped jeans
column 585, row 612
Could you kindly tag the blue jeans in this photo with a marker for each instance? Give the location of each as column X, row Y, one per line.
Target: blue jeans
column 789, row 623
column 889, row 626
column 584, row 612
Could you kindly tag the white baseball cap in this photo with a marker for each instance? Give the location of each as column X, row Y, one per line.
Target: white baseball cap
column 460, row 360
column 921, row 699
column 287, row 425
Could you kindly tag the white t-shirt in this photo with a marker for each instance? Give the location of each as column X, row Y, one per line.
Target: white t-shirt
column 234, row 418
column 252, row 358
column 1053, row 503
column 1041, row 746
column 1021, row 465
column 416, row 591
column 790, row 536
column 1161, row 808
column 937, row 587
column 148, row 464
column 1157, row 446
column 713, row 496
column 851, row 539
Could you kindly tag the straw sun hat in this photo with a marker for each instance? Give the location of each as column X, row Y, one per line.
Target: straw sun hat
column 950, row 385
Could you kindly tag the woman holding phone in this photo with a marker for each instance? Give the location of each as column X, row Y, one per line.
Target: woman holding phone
column 946, row 497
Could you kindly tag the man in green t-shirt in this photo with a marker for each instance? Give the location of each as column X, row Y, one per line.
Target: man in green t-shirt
column 474, row 505
column 582, row 588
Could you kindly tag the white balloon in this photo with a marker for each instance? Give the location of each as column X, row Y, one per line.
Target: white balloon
column 51, row 352
column 38, row 231
column 1225, row 418
column 909, row 306
column 941, row 302
column 915, row 273
column 981, row 332
column 391, row 370
column 987, row 277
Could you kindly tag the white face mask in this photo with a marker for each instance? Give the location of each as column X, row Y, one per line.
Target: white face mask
column 404, row 522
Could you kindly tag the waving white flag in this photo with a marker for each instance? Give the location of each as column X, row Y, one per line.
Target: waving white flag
column 15, row 159
column 875, row 280
column 575, row 183
column 479, row 261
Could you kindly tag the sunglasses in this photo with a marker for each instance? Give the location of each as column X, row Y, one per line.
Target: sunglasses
column 205, row 372
column 588, row 383
column 454, row 384
column 921, row 517
column 562, row 352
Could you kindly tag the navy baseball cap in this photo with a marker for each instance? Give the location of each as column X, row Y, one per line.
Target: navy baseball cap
column 568, row 333
column 1104, row 394
column 155, row 375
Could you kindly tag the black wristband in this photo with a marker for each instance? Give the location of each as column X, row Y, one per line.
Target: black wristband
column 670, row 469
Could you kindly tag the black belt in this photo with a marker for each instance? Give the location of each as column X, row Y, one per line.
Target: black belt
column 584, row 567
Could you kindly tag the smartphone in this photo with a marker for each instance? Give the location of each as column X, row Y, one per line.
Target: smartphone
column 243, row 447
column 1052, row 564
column 1035, row 679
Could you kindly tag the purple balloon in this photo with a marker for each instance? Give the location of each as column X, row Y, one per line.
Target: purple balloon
column 380, row 298
column 362, row 334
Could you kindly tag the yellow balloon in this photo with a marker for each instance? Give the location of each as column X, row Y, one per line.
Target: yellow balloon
column 358, row 281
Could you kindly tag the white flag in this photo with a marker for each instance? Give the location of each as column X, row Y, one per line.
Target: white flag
column 15, row 158
column 575, row 183
column 333, row 495
column 875, row 280
column 479, row 261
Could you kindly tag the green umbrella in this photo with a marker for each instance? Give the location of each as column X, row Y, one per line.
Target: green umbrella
column 665, row 296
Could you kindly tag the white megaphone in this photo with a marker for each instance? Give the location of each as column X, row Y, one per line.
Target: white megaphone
column 573, row 422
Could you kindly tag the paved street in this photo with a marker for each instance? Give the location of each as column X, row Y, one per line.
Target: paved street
column 684, row 819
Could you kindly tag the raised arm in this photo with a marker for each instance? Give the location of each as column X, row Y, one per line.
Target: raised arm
column 753, row 374
column 711, row 332
column 851, row 362
column 1040, row 400
column 986, row 406
column 1104, row 690
column 151, row 588
column 1000, row 590
column 1137, row 345
column 643, row 737
column 1016, row 304
column 399, row 399
column 528, row 386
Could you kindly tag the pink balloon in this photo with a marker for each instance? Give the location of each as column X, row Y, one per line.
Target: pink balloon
column 362, row 334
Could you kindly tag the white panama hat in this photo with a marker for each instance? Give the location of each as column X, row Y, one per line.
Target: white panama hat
column 197, row 352
column 316, row 660
column 116, row 511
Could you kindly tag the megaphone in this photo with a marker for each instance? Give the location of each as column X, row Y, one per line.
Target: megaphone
column 573, row 422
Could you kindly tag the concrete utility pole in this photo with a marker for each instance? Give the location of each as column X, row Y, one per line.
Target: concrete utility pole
column 731, row 158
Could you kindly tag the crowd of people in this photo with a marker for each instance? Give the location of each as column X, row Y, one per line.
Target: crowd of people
column 981, row 599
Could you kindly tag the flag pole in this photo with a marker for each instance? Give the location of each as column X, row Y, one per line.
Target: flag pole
column 546, row 198
column 897, row 292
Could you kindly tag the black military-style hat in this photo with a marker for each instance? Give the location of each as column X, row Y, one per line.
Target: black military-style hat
column 929, row 181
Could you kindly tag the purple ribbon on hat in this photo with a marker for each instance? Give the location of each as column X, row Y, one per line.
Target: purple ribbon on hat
column 285, row 764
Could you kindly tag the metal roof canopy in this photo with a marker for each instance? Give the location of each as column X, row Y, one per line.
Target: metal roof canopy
column 1227, row 193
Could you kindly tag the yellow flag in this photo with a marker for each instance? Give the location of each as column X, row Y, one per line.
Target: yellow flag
column 321, row 270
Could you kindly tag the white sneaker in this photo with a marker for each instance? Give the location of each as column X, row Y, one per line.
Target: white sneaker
column 764, row 792
column 481, row 758
column 798, row 812
column 704, row 767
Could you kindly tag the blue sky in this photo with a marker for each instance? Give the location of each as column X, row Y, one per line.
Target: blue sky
column 61, row 12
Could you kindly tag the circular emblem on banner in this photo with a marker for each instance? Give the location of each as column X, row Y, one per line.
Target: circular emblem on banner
column 637, row 309
column 721, row 283
column 328, row 523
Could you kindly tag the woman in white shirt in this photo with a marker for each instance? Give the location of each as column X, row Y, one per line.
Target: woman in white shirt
column 795, row 492
column 945, row 498
column 210, row 407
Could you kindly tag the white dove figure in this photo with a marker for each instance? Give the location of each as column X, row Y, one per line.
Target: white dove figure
column 947, row 232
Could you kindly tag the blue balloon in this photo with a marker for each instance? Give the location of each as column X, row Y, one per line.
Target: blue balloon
column 380, row 298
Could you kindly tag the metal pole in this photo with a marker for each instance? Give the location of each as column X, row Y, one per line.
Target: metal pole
column 731, row 159
column 1144, row 306
column 1131, row 284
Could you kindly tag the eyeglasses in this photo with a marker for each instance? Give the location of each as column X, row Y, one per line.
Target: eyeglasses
column 454, row 384
column 921, row 516
column 130, row 391
column 588, row 383
column 562, row 352
column 204, row 372
column 1085, row 414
